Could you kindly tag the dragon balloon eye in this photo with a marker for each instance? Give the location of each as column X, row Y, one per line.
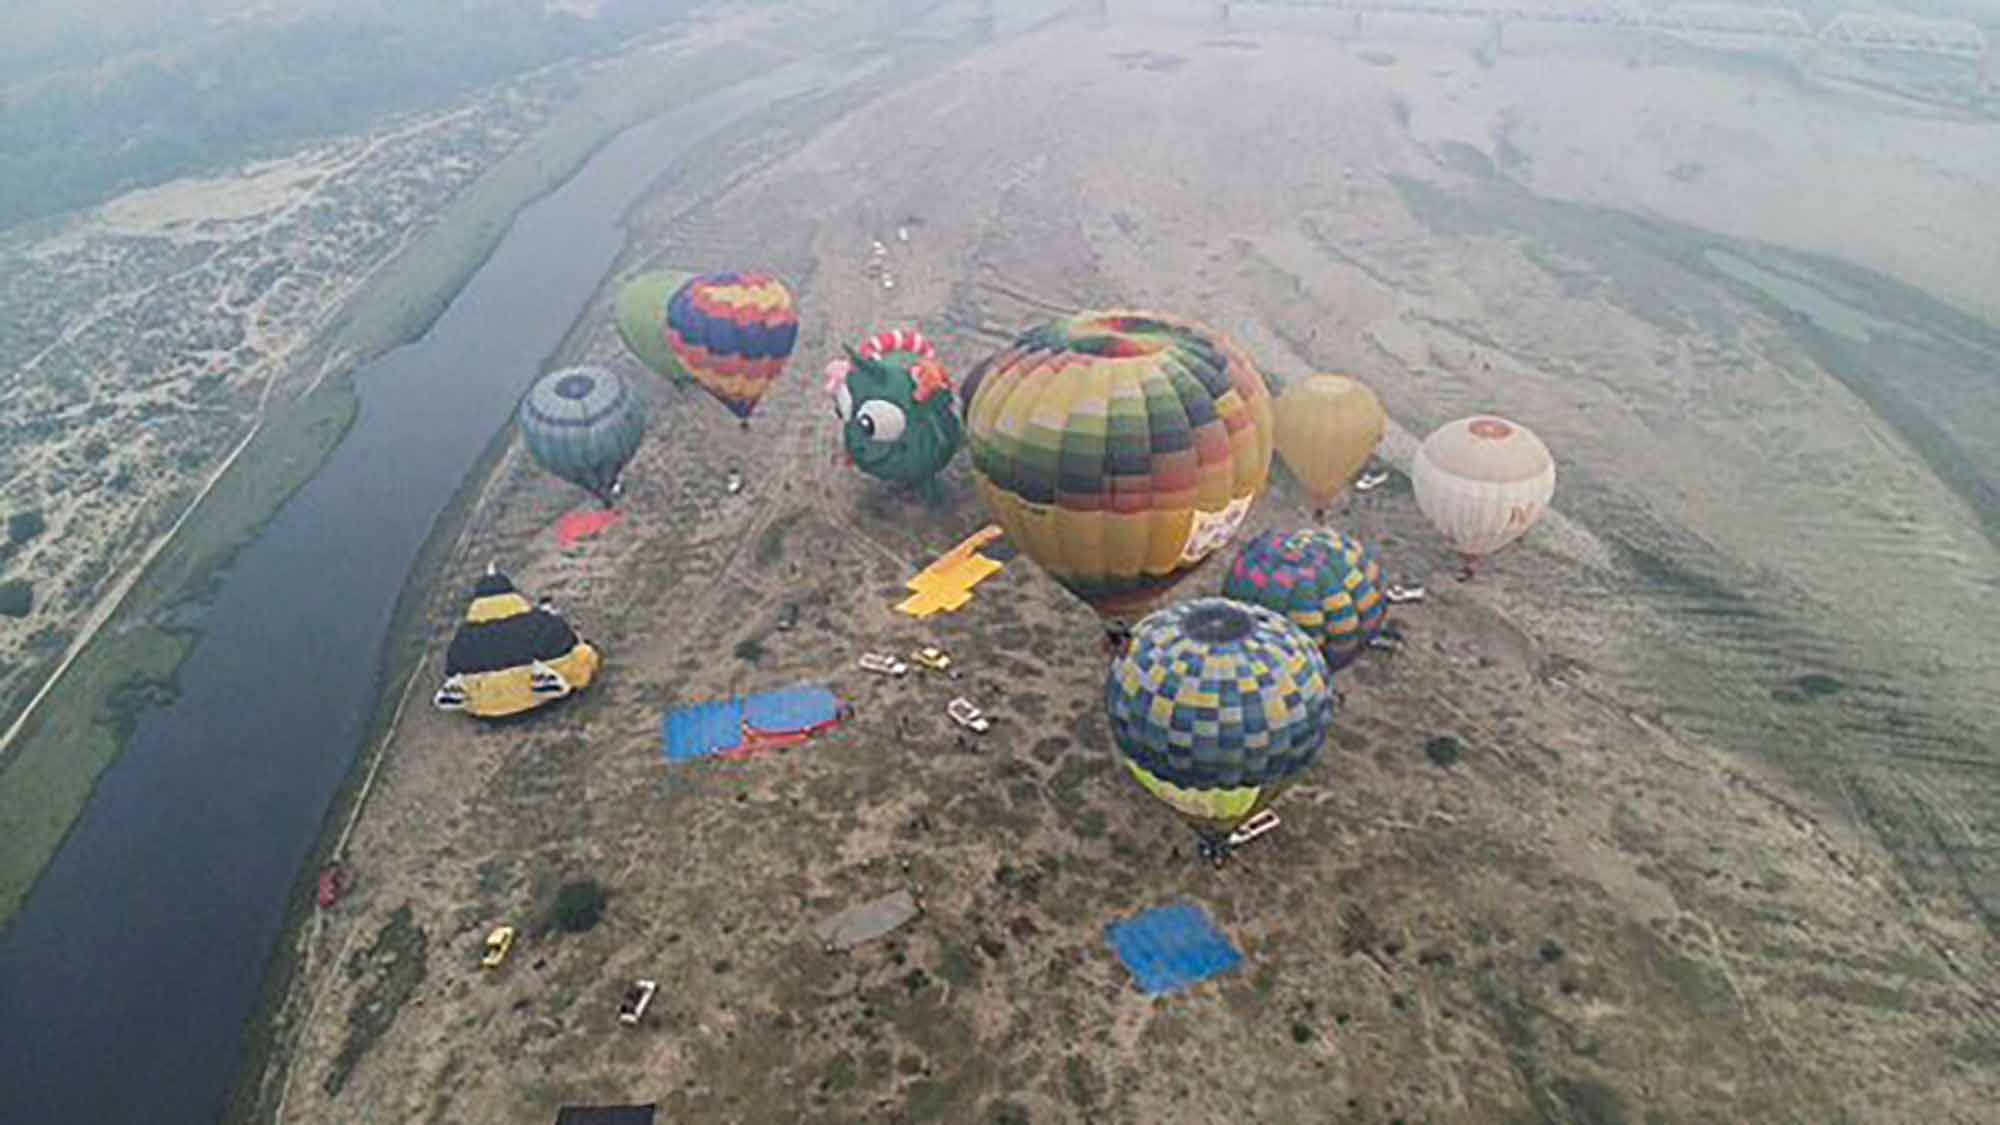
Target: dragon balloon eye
column 881, row 421
column 843, row 403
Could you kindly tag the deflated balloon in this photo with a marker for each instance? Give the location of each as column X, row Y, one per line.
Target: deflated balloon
column 1215, row 706
column 732, row 333
column 1482, row 482
column 583, row 424
column 898, row 416
column 1326, row 583
column 510, row 655
column 1327, row 428
column 1119, row 449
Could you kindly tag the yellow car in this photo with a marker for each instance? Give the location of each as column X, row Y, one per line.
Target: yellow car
column 932, row 657
column 498, row 944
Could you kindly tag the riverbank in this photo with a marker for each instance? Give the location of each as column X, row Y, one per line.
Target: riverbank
column 236, row 773
column 1638, row 878
column 426, row 611
column 130, row 663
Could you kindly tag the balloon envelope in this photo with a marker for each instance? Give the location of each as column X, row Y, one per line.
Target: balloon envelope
column 1119, row 449
column 732, row 333
column 583, row 424
column 1483, row 482
column 898, row 417
column 642, row 321
column 1326, row 583
column 1327, row 428
column 1215, row 706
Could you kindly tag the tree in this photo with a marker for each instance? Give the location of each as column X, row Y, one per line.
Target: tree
column 1444, row 750
column 23, row 526
column 17, row 598
column 579, row 906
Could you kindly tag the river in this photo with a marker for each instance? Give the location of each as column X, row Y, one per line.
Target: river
column 127, row 976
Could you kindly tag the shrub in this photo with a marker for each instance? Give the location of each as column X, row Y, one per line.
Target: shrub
column 578, row 906
column 1444, row 750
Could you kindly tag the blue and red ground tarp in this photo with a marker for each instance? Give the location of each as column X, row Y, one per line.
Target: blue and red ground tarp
column 722, row 726
column 1172, row 947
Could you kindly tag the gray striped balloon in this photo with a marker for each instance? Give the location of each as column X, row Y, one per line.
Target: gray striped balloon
column 583, row 424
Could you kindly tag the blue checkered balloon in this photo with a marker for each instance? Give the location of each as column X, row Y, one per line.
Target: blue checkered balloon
column 1216, row 704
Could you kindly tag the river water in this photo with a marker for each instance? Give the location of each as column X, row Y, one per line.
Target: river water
column 127, row 976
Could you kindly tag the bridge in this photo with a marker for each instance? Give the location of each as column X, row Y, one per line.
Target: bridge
column 1848, row 30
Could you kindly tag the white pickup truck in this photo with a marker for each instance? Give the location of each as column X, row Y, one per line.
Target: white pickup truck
column 632, row 1007
column 883, row 664
column 965, row 714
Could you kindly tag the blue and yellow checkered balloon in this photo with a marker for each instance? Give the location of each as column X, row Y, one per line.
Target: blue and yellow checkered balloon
column 1215, row 705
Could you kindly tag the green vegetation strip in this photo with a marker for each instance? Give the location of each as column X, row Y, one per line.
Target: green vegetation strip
column 109, row 112
column 84, row 723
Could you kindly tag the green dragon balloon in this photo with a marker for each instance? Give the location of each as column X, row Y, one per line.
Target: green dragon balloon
column 899, row 422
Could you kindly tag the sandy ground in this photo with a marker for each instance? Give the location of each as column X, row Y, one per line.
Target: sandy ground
column 1661, row 885
column 1775, row 156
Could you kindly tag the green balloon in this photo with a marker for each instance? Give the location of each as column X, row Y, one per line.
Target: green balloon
column 890, row 433
column 642, row 318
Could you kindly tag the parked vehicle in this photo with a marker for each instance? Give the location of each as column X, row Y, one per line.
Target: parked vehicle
column 499, row 943
column 883, row 664
column 1250, row 829
column 637, row 999
column 965, row 714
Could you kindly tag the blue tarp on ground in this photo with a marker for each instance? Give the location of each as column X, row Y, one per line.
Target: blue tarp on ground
column 797, row 708
column 1172, row 947
column 703, row 729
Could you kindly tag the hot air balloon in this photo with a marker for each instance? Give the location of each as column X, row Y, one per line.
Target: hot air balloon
column 1482, row 481
column 899, row 418
column 1327, row 428
column 511, row 656
column 1327, row 584
column 1215, row 705
column 583, row 424
column 642, row 322
column 732, row 333
column 1118, row 450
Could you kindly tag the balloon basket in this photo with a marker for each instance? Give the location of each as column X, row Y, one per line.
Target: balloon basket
column 1214, row 851
column 1117, row 638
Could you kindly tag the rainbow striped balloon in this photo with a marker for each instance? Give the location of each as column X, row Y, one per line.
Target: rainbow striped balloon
column 733, row 333
column 1326, row 583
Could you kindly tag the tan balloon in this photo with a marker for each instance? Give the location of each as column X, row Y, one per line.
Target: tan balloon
column 1327, row 428
column 1483, row 482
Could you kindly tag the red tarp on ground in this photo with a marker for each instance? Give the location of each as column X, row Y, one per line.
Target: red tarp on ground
column 756, row 742
column 744, row 727
column 330, row 882
column 578, row 526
